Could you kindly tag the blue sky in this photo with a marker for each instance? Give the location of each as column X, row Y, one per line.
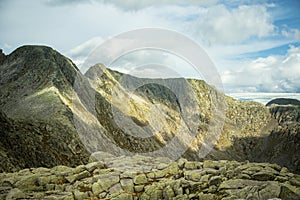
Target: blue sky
column 253, row 44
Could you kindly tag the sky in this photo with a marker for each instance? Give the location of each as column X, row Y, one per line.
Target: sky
column 254, row 45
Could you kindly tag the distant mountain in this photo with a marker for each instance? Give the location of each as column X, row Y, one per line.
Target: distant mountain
column 283, row 101
column 51, row 114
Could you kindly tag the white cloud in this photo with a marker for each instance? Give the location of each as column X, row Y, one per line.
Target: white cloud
column 229, row 51
column 135, row 4
column 65, row 2
column 86, row 46
column 62, row 27
column 6, row 47
column 221, row 25
column 80, row 52
column 292, row 33
column 226, row 32
column 239, row 24
column 272, row 73
column 154, row 64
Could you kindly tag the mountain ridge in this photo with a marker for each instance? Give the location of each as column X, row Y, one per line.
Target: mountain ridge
column 38, row 85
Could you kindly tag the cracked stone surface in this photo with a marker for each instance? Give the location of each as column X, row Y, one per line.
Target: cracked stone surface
column 108, row 179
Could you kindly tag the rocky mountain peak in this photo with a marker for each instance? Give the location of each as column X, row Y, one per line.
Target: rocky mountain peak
column 31, row 70
column 37, row 62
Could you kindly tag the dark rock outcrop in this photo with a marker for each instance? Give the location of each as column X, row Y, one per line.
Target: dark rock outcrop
column 284, row 101
column 2, row 56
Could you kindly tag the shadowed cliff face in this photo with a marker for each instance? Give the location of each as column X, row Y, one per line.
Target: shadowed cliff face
column 280, row 146
column 52, row 115
column 27, row 143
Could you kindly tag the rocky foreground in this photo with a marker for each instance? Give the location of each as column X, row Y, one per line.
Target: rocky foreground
column 140, row 177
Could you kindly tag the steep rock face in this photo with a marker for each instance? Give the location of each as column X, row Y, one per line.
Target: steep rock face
column 37, row 128
column 251, row 131
column 197, row 106
column 279, row 142
column 26, row 143
column 282, row 146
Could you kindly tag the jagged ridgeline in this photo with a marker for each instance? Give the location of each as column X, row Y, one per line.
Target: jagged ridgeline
column 148, row 116
column 51, row 115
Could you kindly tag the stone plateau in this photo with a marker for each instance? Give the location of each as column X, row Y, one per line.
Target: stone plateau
column 140, row 177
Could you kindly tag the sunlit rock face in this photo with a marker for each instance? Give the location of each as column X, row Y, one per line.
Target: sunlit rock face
column 51, row 114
